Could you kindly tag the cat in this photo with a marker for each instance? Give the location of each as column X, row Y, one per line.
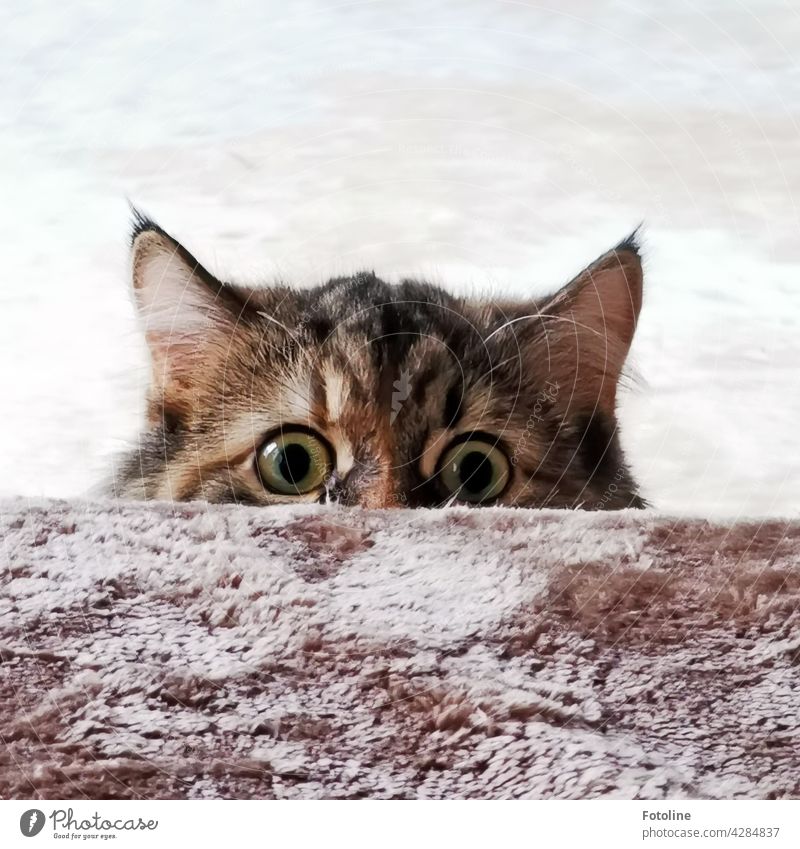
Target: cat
column 365, row 393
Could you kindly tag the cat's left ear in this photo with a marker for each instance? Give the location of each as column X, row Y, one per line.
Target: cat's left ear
column 589, row 327
column 189, row 317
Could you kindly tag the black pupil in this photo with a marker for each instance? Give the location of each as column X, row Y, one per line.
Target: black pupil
column 294, row 463
column 475, row 472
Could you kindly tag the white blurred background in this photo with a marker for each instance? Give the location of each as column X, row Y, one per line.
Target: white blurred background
column 492, row 146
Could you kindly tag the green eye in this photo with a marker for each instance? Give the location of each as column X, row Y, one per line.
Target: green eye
column 474, row 470
column 294, row 462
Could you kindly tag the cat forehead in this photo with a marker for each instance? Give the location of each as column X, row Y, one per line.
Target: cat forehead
column 393, row 318
column 368, row 304
column 361, row 346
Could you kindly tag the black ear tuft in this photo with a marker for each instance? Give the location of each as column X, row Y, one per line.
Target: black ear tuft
column 631, row 243
column 141, row 223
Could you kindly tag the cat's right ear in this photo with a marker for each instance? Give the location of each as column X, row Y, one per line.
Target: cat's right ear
column 589, row 326
column 188, row 316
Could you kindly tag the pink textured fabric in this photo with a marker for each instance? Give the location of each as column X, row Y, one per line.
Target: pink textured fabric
column 186, row 651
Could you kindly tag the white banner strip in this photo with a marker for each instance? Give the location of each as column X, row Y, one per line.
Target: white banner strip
column 350, row 825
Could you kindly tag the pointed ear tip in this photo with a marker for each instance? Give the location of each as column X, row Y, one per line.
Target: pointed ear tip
column 631, row 244
column 147, row 241
column 142, row 224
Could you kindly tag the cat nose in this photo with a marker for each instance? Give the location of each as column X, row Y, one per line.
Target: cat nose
column 362, row 487
column 336, row 488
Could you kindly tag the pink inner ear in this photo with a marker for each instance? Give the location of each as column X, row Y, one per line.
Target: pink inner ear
column 610, row 299
column 181, row 316
column 170, row 297
column 175, row 305
column 598, row 311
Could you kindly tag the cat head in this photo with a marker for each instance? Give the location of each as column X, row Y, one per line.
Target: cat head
column 379, row 395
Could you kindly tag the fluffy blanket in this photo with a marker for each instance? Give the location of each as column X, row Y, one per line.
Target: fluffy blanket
column 184, row 651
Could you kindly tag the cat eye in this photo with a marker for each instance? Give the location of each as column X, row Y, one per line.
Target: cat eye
column 294, row 462
column 474, row 470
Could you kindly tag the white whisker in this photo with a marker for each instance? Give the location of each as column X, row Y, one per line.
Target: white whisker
column 279, row 323
column 549, row 316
